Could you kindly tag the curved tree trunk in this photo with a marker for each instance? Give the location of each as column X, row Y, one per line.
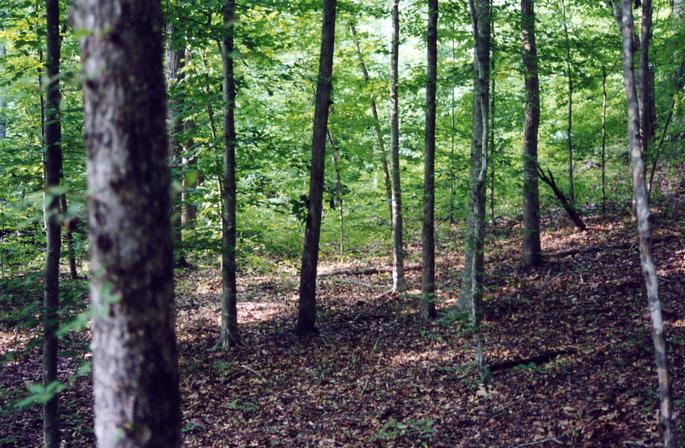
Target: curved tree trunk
column 637, row 147
column 53, row 173
column 306, row 318
column 532, row 252
column 135, row 367
column 428, row 235
column 398, row 282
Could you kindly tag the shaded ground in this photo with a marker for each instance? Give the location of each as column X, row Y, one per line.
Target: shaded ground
column 379, row 376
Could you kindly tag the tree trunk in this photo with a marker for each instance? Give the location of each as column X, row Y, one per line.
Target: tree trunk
column 69, row 237
column 604, row 140
column 175, row 58
column 453, row 132
column 398, row 282
column 3, row 124
column 428, row 235
column 306, row 319
column 637, row 146
column 571, row 211
column 135, row 366
column 647, row 95
column 338, row 191
column 376, row 124
column 532, row 252
column 569, row 104
column 492, row 123
column 230, row 334
column 53, row 173
column 474, row 244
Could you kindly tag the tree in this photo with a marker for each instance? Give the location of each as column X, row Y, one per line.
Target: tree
column 229, row 312
column 532, row 252
column 306, row 319
column 641, row 199
column 428, row 247
column 569, row 103
column 472, row 278
column 135, row 367
column 398, row 282
column 53, row 173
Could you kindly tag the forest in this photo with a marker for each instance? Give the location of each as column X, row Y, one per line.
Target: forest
column 342, row 223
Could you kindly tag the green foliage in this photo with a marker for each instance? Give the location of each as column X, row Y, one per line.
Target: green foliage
column 419, row 431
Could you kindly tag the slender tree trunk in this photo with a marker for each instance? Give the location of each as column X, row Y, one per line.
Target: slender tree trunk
column 604, row 140
column 532, row 252
column 637, row 147
column 175, row 58
column 53, row 173
column 135, row 366
column 492, row 118
column 646, row 83
column 569, row 103
column 230, row 334
column 453, row 116
column 306, row 319
column 474, row 244
column 376, row 124
column 69, row 237
column 398, row 282
column 338, row 191
column 428, row 235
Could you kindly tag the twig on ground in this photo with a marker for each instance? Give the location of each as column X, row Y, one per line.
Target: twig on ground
column 538, row 442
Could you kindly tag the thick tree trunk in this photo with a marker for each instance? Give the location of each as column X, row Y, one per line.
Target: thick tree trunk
column 637, row 147
column 53, row 172
column 135, row 366
column 569, row 105
column 376, row 124
column 428, row 235
column 532, row 252
column 306, row 319
column 230, row 334
column 474, row 244
column 398, row 282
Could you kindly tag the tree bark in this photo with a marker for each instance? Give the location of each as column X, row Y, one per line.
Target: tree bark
column 135, row 366
column 53, row 172
column 532, row 251
column 335, row 156
column 569, row 104
column 306, row 319
column 492, row 121
column 637, row 147
column 230, row 334
column 604, row 139
column 474, row 244
column 428, row 235
column 398, row 282
column 376, row 124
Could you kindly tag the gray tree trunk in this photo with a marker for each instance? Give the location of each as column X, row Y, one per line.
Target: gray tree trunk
column 474, row 244
column 376, row 124
column 428, row 234
column 135, row 366
column 230, row 334
column 532, row 252
column 53, row 172
column 306, row 318
column 398, row 282
column 492, row 143
column 637, row 147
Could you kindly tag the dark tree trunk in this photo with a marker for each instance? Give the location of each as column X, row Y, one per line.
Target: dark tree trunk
column 532, row 252
column 135, row 366
column 398, row 282
column 53, row 173
column 637, row 147
column 570, row 209
column 335, row 164
column 230, row 334
column 474, row 244
column 428, row 236
column 376, row 124
column 306, row 319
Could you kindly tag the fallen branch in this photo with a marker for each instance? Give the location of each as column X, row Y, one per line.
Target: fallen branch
column 538, row 442
column 538, row 360
column 371, row 270
column 572, row 213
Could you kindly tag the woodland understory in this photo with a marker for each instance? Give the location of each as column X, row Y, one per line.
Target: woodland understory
column 568, row 345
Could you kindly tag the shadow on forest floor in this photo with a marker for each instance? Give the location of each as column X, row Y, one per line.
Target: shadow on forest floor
column 572, row 337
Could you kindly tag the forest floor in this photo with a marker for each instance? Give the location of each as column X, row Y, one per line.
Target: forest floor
column 570, row 341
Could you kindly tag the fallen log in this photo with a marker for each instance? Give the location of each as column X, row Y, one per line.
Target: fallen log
column 571, row 211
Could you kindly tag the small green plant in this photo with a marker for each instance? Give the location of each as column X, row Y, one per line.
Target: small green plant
column 223, row 367
column 421, row 431
column 189, row 427
column 243, row 406
column 530, row 367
